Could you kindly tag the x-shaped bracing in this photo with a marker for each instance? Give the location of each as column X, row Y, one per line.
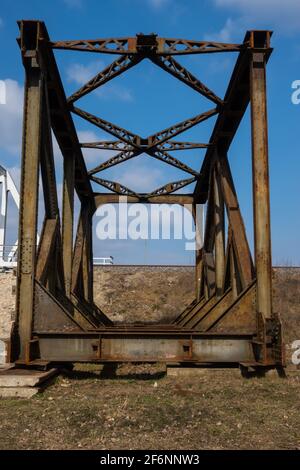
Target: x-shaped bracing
column 131, row 145
column 136, row 145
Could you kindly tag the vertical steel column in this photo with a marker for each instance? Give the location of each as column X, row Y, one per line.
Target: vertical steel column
column 29, row 192
column 219, row 234
column 87, row 252
column 235, row 220
column 197, row 213
column 68, row 219
column 261, row 196
column 198, row 272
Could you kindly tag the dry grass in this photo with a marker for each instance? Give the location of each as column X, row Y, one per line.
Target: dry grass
column 218, row 410
column 143, row 294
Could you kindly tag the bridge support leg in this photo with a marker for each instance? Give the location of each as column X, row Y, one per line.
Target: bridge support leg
column 219, row 234
column 68, row 219
column 29, row 195
column 261, row 196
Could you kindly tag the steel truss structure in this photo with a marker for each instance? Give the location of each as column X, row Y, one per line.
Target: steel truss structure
column 231, row 320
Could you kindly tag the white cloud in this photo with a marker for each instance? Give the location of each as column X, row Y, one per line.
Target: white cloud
column 80, row 74
column 140, row 178
column 11, row 115
column 225, row 34
column 281, row 16
column 117, row 92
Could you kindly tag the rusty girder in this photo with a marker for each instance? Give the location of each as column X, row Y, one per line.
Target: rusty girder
column 119, row 132
column 113, row 70
column 114, row 187
column 171, row 66
column 147, row 43
column 171, row 187
column 118, row 145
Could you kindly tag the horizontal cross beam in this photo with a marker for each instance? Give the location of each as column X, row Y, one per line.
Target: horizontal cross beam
column 110, row 198
column 145, row 44
column 172, row 145
column 118, row 145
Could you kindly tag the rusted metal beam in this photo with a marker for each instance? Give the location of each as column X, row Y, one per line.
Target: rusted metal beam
column 261, row 196
column 239, row 237
column 33, row 102
column 113, row 70
column 128, row 155
column 61, row 120
column 157, row 346
column 68, row 219
column 46, row 251
column 122, row 134
column 118, row 145
column 109, row 198
column 219, row 223
column 87, row 255
column 172, row 145
column 164, row 156
column 236, row 101
column 47, row 162
column 140, row 145
column 115, row 145
column 167, row 158
column 114, row 186
column 171, row 187
column 171, row 66
column 146, row 43
column 77, row 255
column 116, row 160
column 172, row 131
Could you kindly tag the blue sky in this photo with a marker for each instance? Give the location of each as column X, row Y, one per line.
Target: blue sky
column 146, row 100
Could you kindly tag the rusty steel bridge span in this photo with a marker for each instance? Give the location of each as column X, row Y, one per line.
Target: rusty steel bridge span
column 231, row 320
